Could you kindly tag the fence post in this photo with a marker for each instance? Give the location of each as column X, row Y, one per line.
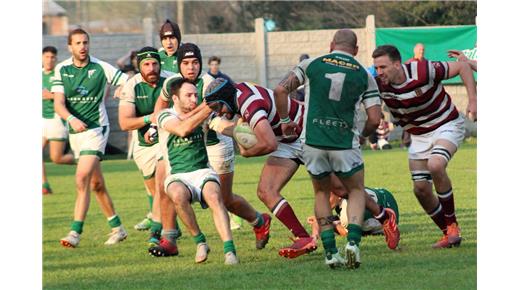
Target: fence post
column 371, row 37
column 261, row 59
column 148, row 31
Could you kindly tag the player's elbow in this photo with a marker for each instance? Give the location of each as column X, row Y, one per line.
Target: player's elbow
column 280, row 90
column 271, row 145
column 124, row 126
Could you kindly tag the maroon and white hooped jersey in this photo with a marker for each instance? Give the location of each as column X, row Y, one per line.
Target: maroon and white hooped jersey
column 257, row 103
column 420, row 104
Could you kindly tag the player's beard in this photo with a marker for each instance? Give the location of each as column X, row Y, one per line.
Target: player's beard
column 151, row 77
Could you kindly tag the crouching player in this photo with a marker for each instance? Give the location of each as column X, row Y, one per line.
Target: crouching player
column 372, row 224
column 189, row 178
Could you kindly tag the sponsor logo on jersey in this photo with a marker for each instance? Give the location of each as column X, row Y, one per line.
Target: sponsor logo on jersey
column 340, row 63
column 91, row 72
column 141, row 97
column 326, row 122
column 67, row 75
column 82, row 91
column 187, row 140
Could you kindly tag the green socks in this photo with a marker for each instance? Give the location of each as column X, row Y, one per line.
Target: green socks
column 150, row 201
column 259, row 221
column 46, row 185
column 329, row 241
column 77, row 226
column 200, row 238
column 114, row 221
column 354, row 233
column 156, row 227
column 229, row 246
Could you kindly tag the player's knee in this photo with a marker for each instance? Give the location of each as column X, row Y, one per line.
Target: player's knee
column 264, row 193
column 421, row 189
column 82, row 179
column 178, row 194
column 437, row 165
column 97, row 186
column 228, row 201
column 55, row 158
column 211, row 197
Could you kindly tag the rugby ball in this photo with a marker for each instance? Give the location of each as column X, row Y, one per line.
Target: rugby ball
column 244, row 135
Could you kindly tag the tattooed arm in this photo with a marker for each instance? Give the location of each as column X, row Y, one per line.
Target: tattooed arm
column 288, row 84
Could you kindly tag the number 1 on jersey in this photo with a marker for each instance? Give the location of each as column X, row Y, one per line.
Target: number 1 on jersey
column 336, row 85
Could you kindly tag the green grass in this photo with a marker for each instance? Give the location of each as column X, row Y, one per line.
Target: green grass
column 128, row 265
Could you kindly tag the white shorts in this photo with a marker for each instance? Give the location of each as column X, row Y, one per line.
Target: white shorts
column 222, row 155
column 146, row 158
column 321, row 163
column 54, row 129
column 90, row 142
column 291, row 151
column 194, row 181
column 422, row 145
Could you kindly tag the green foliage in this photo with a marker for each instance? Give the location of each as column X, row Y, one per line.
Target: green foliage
column 128, row 265
column 238, row 16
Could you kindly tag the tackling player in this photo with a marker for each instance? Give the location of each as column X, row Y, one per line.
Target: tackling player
column 189, row 178
column 54, row 130
column 418, row 102
column 219, row 148
column 79, row 88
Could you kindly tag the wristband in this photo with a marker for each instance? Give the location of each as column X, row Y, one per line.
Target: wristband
column 147, row 119
column 70, row 118
column 285, row 120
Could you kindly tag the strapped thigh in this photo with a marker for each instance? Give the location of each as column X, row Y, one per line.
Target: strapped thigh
column 439, row 150
column 421, row 175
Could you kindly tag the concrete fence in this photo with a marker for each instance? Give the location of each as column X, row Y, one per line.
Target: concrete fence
column 261, row 57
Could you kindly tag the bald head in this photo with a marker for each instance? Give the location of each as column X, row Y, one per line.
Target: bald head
column 418, row 51
column 345, row 40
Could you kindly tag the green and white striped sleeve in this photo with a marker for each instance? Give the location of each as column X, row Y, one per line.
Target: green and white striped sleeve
column 371, row 96
column 165, row 116
column 115, row 77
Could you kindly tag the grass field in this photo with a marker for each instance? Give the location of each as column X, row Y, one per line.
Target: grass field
column 128, row 265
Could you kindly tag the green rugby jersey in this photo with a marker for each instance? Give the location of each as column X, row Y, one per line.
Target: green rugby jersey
column 335, row 86
column 183, row 155
column 143, row 96
column 202, row 83
column 168, row 63
column 84, row 89
column 384, row 198
column 47, row 105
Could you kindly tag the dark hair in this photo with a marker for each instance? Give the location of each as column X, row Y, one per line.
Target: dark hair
column 176, row 85
column 390, row 50
column 74, row 32
column 214, row 58
column 304, row 56
column 50, row 49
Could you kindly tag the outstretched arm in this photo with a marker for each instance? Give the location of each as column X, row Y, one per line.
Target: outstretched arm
column 463, row 69
column 460, row 56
